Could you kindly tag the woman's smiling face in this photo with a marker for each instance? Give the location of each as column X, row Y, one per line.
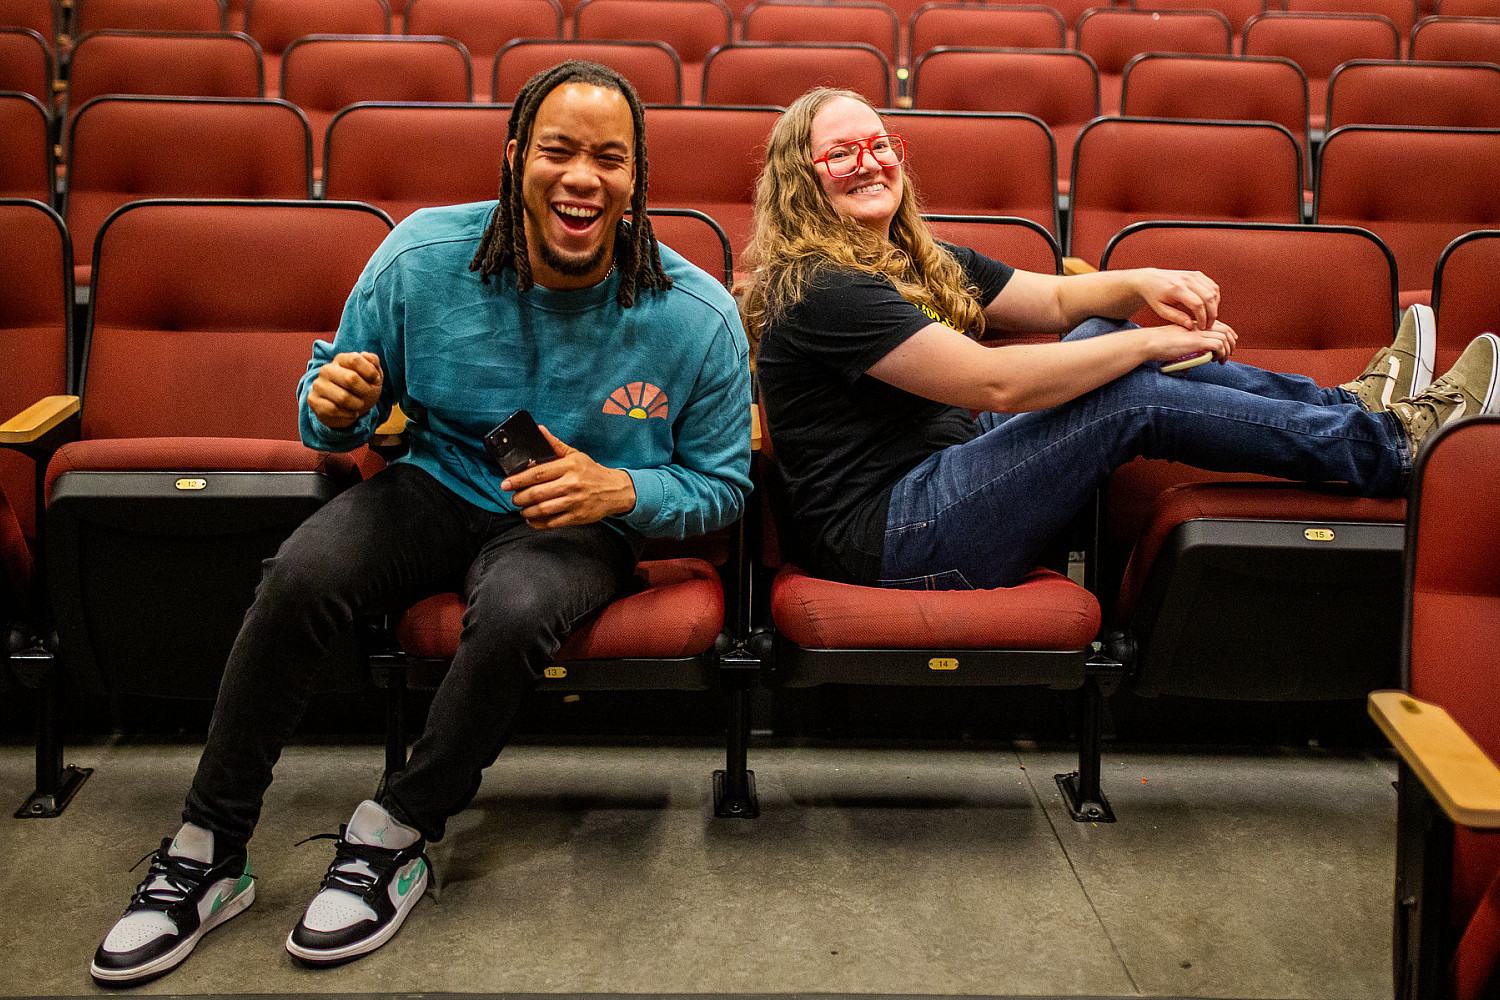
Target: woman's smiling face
column 870, row 195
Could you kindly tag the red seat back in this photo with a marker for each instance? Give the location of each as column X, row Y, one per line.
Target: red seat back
column 1018, row 242
column 1217, row 88
column 484, row 27
column 179, row 65
column 275, row 24
column 122, row 149
column 149, row 15
column 1001, row 27
column 36, row 308
column 708, row 159
column 1059, row 86
column 1402, row 13
column 1381, row 92
column 1237, row 11
column 862, row 22
column 696, row 237
column 26, row 63
column 1019, row 174
column 26, row 169
column 779, row 73
column 1113, row 37
column 402, row 157
column 1319, row 43
column 181, row 282
column 651, row 67
column 1463, row 293
column 1456, row 39
column 1200, row 171
column 38, row 15
column 1453, row 554
column 1418, row 189
column 691, row 27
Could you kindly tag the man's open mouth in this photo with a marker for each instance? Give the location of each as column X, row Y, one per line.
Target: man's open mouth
column 576, row 218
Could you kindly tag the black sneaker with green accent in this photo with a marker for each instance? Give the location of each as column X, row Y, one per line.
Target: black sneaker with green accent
column 366, row 894
column 185, row 895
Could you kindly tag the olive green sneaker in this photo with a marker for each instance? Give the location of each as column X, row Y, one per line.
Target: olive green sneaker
column 1471, row 386
column 1402, row 369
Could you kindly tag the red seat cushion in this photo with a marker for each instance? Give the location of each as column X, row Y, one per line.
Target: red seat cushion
column 196, row 455
column 1246, row 502
column 1044, row 611
column 679, row 612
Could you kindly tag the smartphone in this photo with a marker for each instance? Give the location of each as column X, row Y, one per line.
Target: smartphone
column 517, row 444
column 1186, row 361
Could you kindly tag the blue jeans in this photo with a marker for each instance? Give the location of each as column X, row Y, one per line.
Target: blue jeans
column 978, row 514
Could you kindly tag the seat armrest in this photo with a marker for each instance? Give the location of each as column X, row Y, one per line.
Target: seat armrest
column 388, row 435
column 1458, row 775
column 43, row 426
column 754, row 427
column 1077, row 265
column 37, row 419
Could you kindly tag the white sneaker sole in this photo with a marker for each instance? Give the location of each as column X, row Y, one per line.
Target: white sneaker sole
column 170, row 960
column 333, row 956
column 1491, row 401
column 1423, row 375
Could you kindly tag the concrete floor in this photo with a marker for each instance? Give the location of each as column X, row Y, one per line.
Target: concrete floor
column 875, row 871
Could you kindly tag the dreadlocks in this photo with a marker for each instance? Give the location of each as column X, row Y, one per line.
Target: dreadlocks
column 637, row 256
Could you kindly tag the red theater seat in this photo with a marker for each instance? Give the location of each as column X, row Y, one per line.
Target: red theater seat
column 825, row 22
column 1011, row 26
column 26, row 64
column 149, row 15
column 667, row 635
column 123, row 149
column 1237, row 586
column 1417, row 188
column 691, row 27
column 1201, row 171
column 275, row 24
column 484, row 27
column 1399, row 92
column 1319, row 43
column 164, row 64
column 1059, row 86
column 775, row 73
column 1021, row 243
column 1447, row 730
column 1463, row 293
column 1113, row 37
column 1456, row 39
column 26, row 169
column 652, row 68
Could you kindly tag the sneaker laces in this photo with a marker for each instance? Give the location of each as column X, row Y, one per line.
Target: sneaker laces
column 169, row 881
column 351, row 879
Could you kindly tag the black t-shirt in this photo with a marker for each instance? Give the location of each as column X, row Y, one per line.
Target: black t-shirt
column 843, row 438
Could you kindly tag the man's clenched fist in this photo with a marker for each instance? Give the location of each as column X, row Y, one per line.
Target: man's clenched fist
column 346, row 388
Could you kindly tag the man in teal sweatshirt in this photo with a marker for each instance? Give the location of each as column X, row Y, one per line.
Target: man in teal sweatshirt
column 634, row 363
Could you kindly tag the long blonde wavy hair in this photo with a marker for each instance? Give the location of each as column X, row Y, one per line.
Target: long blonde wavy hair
column 797, row 230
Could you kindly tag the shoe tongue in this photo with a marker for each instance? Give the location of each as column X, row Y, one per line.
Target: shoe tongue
column 193, row 842
column 373, row 826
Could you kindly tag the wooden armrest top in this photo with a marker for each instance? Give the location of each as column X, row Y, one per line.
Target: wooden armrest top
column 1460, row 778
column 1077, row 265
column 754, row 427
column 37, row 419
column 391, row 429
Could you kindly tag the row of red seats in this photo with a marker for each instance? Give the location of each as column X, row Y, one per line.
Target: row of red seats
column 1027, row 634
column 331, row 72
column 1418, row 189
column 135, row 487
column 1109, row 36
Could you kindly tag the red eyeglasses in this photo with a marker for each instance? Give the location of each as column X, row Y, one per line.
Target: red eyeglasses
column 845, row 158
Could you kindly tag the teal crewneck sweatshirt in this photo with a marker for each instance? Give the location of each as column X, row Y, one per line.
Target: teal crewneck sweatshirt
column 661, row 390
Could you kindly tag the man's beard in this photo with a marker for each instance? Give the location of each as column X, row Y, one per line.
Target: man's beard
column 573, row 267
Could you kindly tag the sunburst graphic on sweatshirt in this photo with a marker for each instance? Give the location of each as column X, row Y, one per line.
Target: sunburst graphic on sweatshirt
column 639, row 400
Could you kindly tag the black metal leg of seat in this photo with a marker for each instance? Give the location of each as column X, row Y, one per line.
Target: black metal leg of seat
column 56, row 784
column 734, row 787
column 395, row 720
column 1424, row 879
column 1081, row 789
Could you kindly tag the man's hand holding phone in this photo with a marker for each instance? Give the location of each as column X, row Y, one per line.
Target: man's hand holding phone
column 346, row 388
column 569, row 489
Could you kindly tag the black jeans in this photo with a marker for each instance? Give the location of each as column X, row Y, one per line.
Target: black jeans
column 383, row 545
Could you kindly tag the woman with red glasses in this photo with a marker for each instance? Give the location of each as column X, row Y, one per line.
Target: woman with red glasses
column 869, row 372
